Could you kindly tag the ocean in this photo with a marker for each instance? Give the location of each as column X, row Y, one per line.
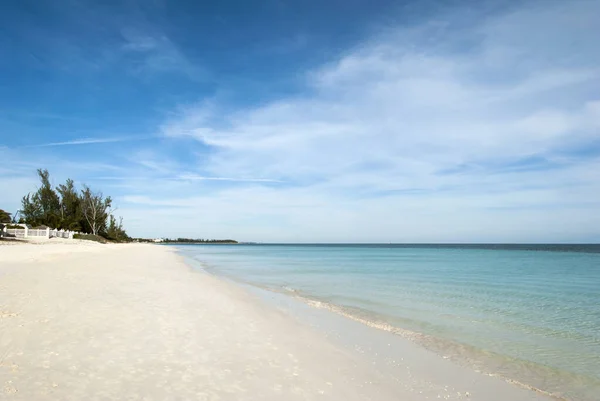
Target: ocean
column 527, row 313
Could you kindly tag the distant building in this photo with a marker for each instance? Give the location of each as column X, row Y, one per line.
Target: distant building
column 158, row 240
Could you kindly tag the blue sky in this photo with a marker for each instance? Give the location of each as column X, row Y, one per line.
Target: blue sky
column 312, row 121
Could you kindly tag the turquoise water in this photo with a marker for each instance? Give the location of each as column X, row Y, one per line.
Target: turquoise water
column 528, row 313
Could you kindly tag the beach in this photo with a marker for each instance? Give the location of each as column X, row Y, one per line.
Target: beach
column 81, row 320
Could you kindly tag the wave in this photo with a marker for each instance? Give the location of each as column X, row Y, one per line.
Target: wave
column 481, row 361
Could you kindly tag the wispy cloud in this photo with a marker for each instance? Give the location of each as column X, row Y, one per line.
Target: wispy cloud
column 195, row 177
column 405, row 110
column 450, row 129
column 186, row 177
column 90, row 141
column 403, row 103
column 32, row 115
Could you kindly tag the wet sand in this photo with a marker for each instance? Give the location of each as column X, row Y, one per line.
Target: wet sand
column 134, row 322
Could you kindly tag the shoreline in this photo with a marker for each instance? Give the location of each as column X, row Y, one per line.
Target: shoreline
column 486, row 363
column 426, row 341
column 419, row 339
column 92, row 321
column 459, row 353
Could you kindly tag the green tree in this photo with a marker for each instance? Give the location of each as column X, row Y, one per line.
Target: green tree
column 70, row 206
column 30, row 210
column 115, row 230
column 4, row 217
column 43, row 206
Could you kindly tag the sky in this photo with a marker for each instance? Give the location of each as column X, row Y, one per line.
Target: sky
column 311, row 121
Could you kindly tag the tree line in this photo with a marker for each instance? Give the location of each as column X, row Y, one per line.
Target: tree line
column 66, row 207
column 200, row 241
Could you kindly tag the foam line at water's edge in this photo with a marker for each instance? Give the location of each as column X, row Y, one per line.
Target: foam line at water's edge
column 421, row 339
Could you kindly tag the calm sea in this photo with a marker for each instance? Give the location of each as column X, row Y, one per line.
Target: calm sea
column 529, row 313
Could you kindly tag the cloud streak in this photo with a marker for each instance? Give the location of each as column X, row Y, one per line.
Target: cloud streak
column 195, row 177
column 89, row 141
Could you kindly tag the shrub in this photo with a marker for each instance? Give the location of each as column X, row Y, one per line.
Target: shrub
column 90, row 237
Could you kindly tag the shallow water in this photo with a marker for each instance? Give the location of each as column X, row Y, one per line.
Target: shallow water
column 529, row 313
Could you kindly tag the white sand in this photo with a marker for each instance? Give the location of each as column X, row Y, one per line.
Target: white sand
column 84, row 321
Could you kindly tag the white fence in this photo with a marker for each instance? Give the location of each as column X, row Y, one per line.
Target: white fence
column 19, row 233
column 27, row 232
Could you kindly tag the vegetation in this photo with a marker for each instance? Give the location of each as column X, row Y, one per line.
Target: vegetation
column 90, row 237
column 186, row 241
column 115, row 231
column 95, row 209
column 70, row 206
column 86, row 211
column 5, row 217
column 199, row 241
column 64, row 207
column 42, row 206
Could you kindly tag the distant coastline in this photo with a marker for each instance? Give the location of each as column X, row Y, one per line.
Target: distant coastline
column 192, row 241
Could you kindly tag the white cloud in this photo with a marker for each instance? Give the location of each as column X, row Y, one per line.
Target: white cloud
column 368, row 143
column 426, row 133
